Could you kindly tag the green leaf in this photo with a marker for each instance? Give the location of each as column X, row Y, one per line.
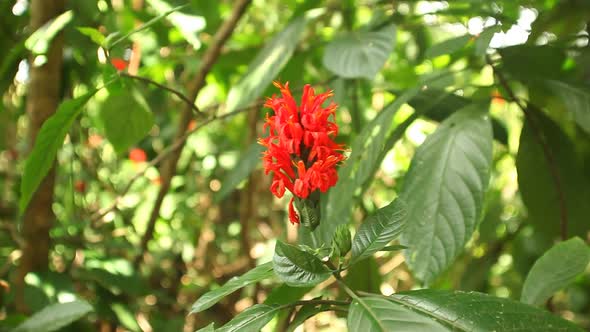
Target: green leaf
column 531, row 63
column 255, row 275
column 109, row 43
column 298, row 268
column 39, row 41
column 49, row 140
column 55, row 316
column 341, row 242
column 367, row 153
column 576, row 100
column 536, row 183
column 444, row 190
column 448, row 46
column 208, row 328
column 482, row 42
column 396, row 247
column 188, row 25
column 378, row 230
column 360, row 54
column 364, row 276
column 305, row 312
column 374, row 313
column 267, row 64
column 471, row 311
column 126, row 118
column 244, row 167
column 125, row 317
column 439, row 104
column 96, row 36
column 252, row 319
column 556, row 269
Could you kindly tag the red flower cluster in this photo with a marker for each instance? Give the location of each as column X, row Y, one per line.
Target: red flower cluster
column 301, row 152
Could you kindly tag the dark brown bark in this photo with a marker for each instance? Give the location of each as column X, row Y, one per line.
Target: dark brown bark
column 42, row 101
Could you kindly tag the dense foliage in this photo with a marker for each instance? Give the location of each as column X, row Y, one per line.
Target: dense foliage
column 147, row 184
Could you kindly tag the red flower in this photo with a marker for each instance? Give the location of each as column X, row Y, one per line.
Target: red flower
column 301, row 152
column 119, row 64
column 137, row 155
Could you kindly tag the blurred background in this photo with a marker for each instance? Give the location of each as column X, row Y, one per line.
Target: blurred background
column 141, row 230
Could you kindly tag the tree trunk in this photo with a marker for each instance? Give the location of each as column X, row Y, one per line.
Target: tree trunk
column 42, row 100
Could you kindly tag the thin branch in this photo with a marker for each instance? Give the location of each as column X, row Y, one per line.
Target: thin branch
column 168, row 170
column 547, row 152
column 162, row 156
column 163, row 87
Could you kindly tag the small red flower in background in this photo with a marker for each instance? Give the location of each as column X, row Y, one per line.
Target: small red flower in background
column 119, row 64
column 301, row 152
column 137, row 155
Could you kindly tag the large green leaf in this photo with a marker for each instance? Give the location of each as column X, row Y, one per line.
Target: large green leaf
column 448, row 46
column 298, row 268
column 252, row 319
column 55, row 316
column 360, row 54
column 437, row 104
column 245, row 165
column 48, row 141
column 378, row 230
column 537, row 184
column 471, row 311
column 556, row 269
column 530, row 62
column 444, row 190
column 358, row 169
column 257, row 274
column 267, row 63
column 187, row 25
column 126, row 117
column 379, row 314
column 576, row 99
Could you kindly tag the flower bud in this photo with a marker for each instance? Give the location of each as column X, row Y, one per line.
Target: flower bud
column 341, row 241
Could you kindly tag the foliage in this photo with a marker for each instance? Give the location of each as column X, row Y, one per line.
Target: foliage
column 462, row 204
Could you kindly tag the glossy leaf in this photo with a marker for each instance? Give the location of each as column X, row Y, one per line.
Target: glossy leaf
column 360, row 54
column 255, row 275
column 252, row 319
column 537, row 184
column 55, row 316
column 556, row 269
column 244, row 167
column 298, row 268
column 267, row 64
column 49, row 140
column 444, row 190
column 471, row 311
column 378, row 230
column 576, row 99
column 378, row 314
column 127, row 119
